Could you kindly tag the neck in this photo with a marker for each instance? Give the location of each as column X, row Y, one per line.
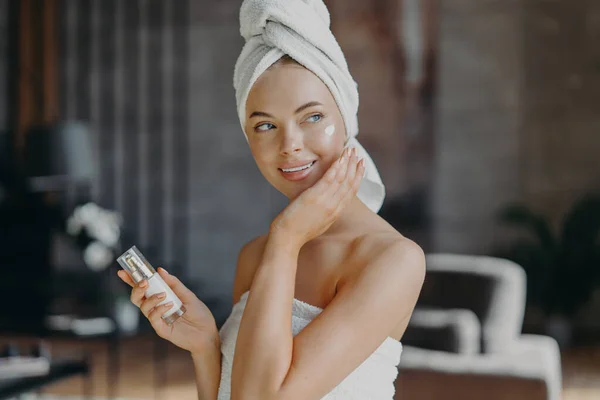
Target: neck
column 355, row 211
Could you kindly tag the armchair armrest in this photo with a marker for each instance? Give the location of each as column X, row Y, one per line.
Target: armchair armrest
column 543, row 351
column 531, row 364
column 452, row 330
column 493, row 288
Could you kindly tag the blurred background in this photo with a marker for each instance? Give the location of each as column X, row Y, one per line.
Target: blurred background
column 118, row 127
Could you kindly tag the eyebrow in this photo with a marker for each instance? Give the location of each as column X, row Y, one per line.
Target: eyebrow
column 300, row 109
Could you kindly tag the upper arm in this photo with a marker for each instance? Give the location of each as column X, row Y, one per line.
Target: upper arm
column 356, row 322
column 247, row 263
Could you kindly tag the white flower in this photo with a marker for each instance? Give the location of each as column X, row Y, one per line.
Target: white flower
column 105, row 228
column 100, row 224
column 97, row 256
column 88, row 212
column 74, row 225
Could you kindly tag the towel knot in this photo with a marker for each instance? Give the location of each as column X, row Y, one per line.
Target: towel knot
column 255, row 14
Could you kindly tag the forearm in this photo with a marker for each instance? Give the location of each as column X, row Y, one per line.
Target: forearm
column 208, row 372
column 263, row 353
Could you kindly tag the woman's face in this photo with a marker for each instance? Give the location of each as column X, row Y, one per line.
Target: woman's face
column 292, row 121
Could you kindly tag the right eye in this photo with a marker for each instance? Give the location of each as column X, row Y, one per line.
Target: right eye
column 264, row 127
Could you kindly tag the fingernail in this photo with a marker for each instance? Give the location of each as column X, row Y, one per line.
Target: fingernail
column 162, row 295
column 354, row 151
column 169, row 304
column 143, row 284
column 164, row 270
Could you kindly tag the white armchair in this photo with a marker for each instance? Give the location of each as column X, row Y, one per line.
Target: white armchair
column 479, row 303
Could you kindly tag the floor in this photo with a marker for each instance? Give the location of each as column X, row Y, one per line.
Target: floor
column 581, row 371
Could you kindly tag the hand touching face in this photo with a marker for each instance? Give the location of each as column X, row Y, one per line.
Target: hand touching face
column 316, row 209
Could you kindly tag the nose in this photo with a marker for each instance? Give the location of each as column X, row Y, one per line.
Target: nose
column 292, row 141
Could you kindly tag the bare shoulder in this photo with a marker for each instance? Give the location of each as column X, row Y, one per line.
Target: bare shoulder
column 247, row 263
column 389, row 258
column 387, row 247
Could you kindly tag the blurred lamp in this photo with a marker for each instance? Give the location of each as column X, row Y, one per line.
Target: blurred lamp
column 59, row 155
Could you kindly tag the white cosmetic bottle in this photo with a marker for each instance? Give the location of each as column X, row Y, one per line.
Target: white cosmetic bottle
column 139, row 269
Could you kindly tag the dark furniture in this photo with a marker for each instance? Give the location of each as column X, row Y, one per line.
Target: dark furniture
column 59, row 370
column 464, row 339
column 29, row 217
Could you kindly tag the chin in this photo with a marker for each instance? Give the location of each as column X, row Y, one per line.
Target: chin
column 293, row 189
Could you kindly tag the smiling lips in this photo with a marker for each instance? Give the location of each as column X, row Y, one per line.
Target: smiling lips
column 296, row 171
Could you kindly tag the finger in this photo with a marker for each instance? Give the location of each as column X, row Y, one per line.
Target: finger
column 155, row 316
column 329, row 177
column 352, row 166
column 356, row 178
column 126, row 278
column 176, row 285
column 151, row 302
column 138, row 293
column 348, row 179
column 350, row 187
column 334, row 183
column 328, row 184
column 360, row 174
column 343, row 170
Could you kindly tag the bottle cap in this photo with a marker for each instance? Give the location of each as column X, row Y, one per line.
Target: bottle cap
column 136, row 265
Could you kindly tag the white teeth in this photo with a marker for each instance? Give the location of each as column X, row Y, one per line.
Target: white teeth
column 297, row 168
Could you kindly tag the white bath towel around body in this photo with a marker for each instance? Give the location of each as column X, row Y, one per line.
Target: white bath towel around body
column 371, row 380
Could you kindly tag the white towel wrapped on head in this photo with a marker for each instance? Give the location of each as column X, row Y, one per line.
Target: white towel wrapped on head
column 301, row 30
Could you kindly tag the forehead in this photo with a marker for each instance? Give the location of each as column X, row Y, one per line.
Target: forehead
column 286, row 87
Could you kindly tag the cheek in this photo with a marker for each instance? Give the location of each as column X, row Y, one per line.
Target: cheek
column 324, row 134
column 330, row 130
column 263, row 154
column 327, row 142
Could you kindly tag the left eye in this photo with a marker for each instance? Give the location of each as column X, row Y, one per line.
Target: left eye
column 315, row 118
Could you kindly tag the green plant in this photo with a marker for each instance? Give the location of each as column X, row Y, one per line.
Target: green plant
column 563, row 268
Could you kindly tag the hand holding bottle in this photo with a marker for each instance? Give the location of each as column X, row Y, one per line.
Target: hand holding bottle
column 192, row 331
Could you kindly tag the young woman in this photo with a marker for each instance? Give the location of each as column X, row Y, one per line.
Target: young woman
column 322, row 300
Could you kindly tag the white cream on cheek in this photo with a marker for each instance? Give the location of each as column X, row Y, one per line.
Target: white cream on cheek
column 330, row 130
